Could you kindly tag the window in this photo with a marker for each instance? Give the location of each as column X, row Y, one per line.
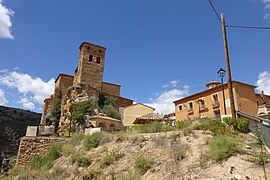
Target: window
column 201, row 102
column 190, row 106
column 88, row 48
column 98, row 60
column 91, row 58
column 99, row 51
column 180, row 107
column 258, row 102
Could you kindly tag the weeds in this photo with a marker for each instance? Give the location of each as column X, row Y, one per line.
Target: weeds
column 110, row 158
column 223, row 146
column 151, row 128
column 81, row 160
column 204, row 159
column 92, row 141
column 46, row 161
column 179, row 151
column 143, row 164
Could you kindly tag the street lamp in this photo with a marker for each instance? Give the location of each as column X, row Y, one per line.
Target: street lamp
column 221, row 74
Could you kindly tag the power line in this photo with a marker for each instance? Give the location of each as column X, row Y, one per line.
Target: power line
column 236, row 26
column 249, row 27
column 213, row 7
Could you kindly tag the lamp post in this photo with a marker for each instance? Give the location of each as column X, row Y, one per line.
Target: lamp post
column 221, row 74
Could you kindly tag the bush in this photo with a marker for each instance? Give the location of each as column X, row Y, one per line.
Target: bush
column 81, row 160
column 79, row 111
column 241, row 125
column 110, row 158
column 151, row 128
column 223, row 146
column 46, row 161
column 179, row 151
column 111, row 111
column 76, row 139
column 92, row 141
column 215, row 126
column 143, row 164
column 260, row 158
column 181, row 124
column 67, row 149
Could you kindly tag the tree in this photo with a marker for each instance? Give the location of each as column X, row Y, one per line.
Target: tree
column 79, row 111
column 109, row 105
column 56, row 112
column 111, row 111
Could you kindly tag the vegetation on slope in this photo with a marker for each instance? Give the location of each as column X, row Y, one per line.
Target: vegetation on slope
column 159, row 153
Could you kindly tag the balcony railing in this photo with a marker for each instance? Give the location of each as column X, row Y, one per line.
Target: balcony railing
column 215, row 103
column 190, row 110
column 202, row 106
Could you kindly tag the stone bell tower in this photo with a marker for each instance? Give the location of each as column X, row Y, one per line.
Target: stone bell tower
column 90, row 65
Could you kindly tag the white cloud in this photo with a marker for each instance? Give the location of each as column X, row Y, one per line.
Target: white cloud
column 3, row 100
column 267, row 7
column 173, row 83
column 33, row 89
column 263, row 81
column 27, row 103
column 4, row 71
column 5, row 22
column 164, row 102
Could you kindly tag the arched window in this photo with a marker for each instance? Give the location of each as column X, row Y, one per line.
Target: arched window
column 91, row 58
column 98, row 60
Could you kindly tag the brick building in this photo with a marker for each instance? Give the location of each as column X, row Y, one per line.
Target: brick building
column 84, row 85
column 210, row 103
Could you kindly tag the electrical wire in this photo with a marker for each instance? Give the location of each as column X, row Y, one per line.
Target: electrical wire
column 236, row 26
column 249, row 27
column 213, row 7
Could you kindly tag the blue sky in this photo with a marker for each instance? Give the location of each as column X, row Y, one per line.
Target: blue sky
column 159, row 51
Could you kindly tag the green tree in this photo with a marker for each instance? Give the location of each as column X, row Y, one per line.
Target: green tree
column 111, row 111
column 56, row 112
column 79, row 110
column 109, row 105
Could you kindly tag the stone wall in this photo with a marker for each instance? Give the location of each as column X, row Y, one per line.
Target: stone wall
column 33, row 146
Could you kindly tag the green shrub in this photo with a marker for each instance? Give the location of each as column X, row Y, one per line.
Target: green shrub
column 110, row 158
column 242, row 125
column 223, row 146
column 79, row 111
column 179, row 151
column 143, row 164
column 76, row 139
column 181, row 124
column 92, row 141
column 121, row 136
column 260, row 158
column 46, row 161
column 230, row 121
column 187, row 131
column 67, row 149
column 111, row 111
column 81, row 160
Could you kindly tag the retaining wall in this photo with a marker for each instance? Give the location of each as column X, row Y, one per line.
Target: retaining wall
column 33, row 146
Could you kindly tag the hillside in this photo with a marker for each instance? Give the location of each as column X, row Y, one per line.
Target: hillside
column 177, row 154
column 13, row 124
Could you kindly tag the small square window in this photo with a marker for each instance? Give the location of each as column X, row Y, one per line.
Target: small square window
column 180, row 107
column 99, row 51
column 98, row 60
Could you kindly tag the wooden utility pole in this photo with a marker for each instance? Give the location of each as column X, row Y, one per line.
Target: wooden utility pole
column 228, row 68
